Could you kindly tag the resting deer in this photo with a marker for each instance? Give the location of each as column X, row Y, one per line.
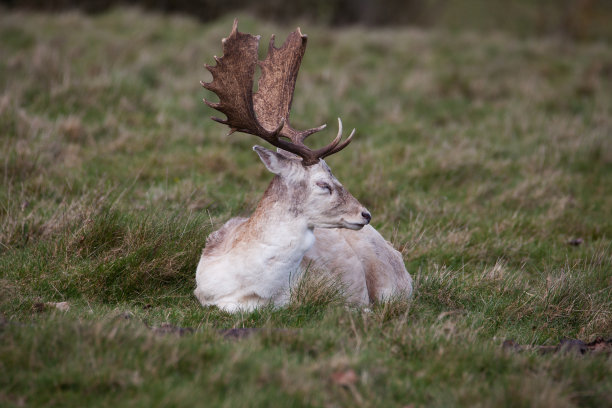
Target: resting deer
column 252, row 262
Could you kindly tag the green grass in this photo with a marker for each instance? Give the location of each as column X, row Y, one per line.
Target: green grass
column 480, row 158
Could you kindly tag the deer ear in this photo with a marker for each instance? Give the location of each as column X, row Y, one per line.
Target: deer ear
column 288, row 155
column 275, row 162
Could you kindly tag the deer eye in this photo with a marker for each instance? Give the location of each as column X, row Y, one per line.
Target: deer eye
column 324, row 186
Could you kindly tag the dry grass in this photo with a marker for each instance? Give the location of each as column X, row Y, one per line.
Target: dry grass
column 481, row 159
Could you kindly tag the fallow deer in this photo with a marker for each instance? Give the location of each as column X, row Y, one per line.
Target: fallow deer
column 254, row 261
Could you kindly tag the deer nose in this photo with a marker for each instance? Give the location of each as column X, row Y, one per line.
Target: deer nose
column 367, row 216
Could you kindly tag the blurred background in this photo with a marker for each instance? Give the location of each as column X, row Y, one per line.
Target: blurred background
column 483, row 150
column 576, row 19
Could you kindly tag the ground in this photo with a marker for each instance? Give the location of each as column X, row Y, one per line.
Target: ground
column 486, row 159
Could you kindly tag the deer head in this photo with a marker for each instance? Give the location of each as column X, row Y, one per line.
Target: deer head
column 305, row 178
column 310, row 192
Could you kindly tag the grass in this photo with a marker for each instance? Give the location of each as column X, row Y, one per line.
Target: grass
column 480, row 158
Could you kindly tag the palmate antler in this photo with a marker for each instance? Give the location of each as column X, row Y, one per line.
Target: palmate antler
column 266, row 113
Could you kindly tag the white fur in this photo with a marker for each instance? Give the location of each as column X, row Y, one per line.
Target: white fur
column 253, row 274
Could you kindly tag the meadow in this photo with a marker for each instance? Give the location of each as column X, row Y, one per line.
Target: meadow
column 485, row 159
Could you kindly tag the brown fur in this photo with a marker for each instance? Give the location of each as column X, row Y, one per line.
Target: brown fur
column 218, row 243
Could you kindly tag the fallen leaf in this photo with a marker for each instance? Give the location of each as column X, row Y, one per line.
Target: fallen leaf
column 41, row 307
column 167, row 328
column 575, row 241
column 600, row 345
column 63, row 306
column 344, row 378
column 239, row 333
column 38, row 307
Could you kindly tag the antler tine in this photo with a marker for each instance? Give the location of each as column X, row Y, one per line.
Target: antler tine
column 334, row 142
column 305, row 133
column 335, row 145
column 341, row 146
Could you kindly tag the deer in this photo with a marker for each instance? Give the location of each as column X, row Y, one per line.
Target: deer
column 306, row 219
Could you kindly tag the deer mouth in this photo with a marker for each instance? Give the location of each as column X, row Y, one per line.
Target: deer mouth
column 353, row 225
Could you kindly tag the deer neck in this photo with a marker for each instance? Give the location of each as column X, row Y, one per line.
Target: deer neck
column 278, row 221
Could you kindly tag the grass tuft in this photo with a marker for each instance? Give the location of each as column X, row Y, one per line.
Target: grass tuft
column 485, row 160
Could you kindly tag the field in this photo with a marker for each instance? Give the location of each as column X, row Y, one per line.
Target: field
column 485, row 159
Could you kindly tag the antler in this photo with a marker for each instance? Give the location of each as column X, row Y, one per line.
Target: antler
column 266, row 113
